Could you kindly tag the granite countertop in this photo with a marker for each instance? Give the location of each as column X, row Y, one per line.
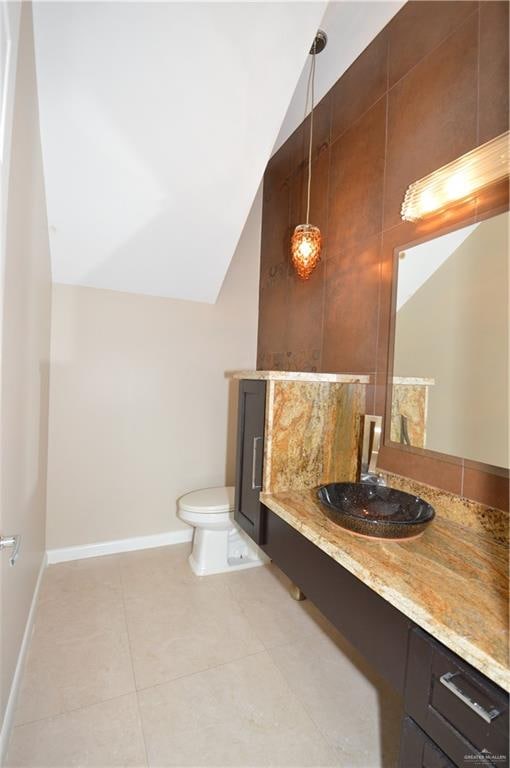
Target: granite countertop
column 452, row 581
column 335, row 378
column 413, row 381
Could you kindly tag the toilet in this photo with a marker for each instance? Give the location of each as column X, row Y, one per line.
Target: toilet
column 218, row 543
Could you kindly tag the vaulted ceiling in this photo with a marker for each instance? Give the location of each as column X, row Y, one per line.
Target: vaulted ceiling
column 157, row 121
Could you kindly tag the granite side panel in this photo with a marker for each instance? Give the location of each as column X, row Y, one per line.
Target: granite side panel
column 312, row 434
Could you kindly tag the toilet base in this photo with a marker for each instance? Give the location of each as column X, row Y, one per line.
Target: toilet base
column 233, row 564
column 222, row 552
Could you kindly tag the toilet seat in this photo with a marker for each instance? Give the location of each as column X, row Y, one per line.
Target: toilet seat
column 208, row 501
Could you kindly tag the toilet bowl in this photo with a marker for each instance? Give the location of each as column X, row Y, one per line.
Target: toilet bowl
column 218, row 543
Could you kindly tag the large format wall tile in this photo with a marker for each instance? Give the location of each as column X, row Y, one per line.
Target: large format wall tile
column 275, row 226
column 431, row 86
column 273, row 317
column 300, row 139
column 356, row 181
column 351, row 309
column 318, row 198
column 419, row 28
column 432, row 115
column 360, row 87
column 493, row 112
column 306, row 305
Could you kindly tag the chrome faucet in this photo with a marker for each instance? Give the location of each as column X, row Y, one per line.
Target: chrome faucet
column 371, row 443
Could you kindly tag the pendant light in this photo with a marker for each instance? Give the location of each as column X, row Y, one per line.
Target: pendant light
column 307, row 240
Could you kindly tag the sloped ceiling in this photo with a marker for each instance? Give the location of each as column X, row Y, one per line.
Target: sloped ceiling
column 157, row 121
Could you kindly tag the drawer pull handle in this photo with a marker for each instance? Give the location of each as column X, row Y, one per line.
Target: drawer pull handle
column 447, row 681
column 254, row 484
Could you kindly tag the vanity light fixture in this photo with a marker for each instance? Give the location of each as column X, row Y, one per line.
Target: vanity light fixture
column 458, row 180
column 306, row 239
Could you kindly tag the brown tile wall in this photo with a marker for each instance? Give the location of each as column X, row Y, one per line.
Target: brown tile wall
column 431, row 86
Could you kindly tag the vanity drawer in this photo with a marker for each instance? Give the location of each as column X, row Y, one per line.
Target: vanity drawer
column 459, row 708
column 418, row 751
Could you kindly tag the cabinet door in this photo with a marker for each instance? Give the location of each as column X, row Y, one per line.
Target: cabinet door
column 418, row 751
column 462, row 711
column 250, row 457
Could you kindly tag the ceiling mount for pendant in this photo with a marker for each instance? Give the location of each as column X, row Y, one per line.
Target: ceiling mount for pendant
column 319, row 42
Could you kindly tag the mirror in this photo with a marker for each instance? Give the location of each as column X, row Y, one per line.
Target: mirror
column 450, row 385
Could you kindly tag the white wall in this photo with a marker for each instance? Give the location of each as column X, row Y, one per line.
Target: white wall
column 25, row 338
column 140, row 408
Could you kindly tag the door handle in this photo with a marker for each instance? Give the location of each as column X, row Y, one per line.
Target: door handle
column 254, row 485
column 11, row 542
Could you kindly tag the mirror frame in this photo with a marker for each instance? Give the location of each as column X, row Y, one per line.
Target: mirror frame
column 387, row 442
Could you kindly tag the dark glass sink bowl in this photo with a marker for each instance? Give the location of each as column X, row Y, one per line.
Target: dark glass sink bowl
column 375, row 510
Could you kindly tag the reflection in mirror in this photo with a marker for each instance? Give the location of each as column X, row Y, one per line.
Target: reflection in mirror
column 450, row 373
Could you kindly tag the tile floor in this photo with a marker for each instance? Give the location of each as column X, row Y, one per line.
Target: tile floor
column 135, row 661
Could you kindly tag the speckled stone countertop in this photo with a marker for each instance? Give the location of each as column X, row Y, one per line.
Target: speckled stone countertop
column 452, row 581
column 413, row 382
column 338, row 378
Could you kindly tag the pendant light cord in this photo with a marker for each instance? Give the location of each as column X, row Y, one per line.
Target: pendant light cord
column 311, row 80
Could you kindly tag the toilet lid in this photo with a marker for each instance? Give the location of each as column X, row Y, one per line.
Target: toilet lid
column 211, row 500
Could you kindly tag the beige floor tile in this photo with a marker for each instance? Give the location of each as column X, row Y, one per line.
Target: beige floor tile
column 239, row 714
column 357, row 712
column 80, row 596
column 81, row 577
column 102, row 736
column 152, row 570
column 62, row 675
column 219, row 699
column 79, row 653
column 185, row 629
column 263, row 594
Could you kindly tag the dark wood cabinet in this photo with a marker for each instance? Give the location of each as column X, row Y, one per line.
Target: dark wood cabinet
column 462, row 711
column 418, row 751
column 250, row 458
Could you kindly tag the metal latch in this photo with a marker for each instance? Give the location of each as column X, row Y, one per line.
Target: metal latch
column 11, row 542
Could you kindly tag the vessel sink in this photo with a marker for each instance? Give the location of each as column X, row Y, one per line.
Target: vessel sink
column 375, row 510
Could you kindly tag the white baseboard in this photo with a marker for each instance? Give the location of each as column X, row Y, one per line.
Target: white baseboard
column 120, row 545
column 18, row 672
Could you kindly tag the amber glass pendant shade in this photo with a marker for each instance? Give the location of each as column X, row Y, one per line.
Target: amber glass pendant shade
column 306, row 249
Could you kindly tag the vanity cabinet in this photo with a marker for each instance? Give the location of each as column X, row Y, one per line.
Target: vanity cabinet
column 248, row 512
column 418, row 751
column 351, row 606
column 462, row 711
column 454, row 716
